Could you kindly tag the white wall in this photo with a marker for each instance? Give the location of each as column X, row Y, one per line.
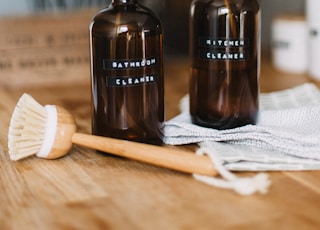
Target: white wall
column 14, row 7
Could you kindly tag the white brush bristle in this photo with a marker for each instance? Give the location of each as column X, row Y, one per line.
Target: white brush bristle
column 27, row 128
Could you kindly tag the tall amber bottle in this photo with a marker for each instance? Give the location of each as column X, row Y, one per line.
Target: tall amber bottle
column 127, row 73
column 225, row 62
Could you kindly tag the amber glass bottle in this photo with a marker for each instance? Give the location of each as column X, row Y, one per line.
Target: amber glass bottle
column 127, row 73
column 225, row 62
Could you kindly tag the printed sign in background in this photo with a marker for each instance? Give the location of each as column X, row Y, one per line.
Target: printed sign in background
column 49, row 49
column 46, row 42
column 50, row 63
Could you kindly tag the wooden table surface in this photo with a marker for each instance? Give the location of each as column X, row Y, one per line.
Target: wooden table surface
column 86, row 190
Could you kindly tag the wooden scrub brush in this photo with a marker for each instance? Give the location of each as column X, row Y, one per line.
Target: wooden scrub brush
column 50, row 131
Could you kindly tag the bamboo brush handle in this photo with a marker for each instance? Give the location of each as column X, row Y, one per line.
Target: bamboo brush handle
column 160, row 156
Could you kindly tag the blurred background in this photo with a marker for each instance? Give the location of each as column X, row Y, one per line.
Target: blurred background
column 46, row 42
column 174, row 15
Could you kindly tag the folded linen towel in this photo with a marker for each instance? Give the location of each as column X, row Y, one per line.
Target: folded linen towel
column 286, row 137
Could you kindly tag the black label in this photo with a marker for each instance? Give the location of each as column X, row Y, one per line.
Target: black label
column 129, row 64
column 223, row 43
column 128, row 81
column 222, row 55
column 220, row 49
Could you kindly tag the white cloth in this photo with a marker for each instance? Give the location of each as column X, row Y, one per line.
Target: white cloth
column 286, row 137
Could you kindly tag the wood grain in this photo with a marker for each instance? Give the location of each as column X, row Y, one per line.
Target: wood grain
column 45, row 49
column 89, row 190
column 175, row 159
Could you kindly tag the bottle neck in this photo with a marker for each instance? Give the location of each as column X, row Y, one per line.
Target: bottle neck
column 123, row 2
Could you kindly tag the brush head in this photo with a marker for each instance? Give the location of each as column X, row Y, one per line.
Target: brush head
column 44, row 131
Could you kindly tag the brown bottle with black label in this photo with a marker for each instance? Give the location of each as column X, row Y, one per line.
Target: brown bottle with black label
column 225, row 62
column 127, row 73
